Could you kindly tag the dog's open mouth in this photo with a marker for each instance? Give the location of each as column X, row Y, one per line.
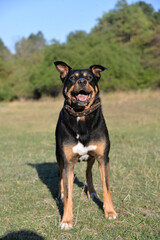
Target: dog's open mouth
column 81, row 98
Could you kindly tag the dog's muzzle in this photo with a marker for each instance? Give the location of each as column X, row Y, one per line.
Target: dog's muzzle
column 82, row 93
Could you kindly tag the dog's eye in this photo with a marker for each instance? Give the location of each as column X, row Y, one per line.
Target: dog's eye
column 89, row 77
column 73, row 78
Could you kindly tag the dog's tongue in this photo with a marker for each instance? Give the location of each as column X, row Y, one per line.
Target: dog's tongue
column 82, row 97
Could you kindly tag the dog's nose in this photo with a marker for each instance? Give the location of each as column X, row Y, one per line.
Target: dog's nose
column 82, row 81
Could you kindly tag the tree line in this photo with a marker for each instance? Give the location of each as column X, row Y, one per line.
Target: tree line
column 126, row 40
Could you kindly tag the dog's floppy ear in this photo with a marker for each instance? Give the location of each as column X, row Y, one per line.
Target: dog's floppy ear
column 96, row 69
column 63, row 68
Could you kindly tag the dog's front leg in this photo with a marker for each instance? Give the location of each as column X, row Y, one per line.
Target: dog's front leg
column 104, row 170
column 66, row 222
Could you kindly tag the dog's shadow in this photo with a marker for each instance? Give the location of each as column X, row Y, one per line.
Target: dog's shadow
column 48, row 173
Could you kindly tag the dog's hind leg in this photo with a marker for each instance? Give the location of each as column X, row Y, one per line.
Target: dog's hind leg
column 90, row 191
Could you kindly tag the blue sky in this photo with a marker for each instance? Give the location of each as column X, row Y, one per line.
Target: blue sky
column 56, row 19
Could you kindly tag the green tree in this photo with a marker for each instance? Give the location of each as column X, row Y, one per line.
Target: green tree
column 5, row 54
column 157, row 17
column 77, row 35
column 126, row 21
column 147, row 8
column 27, row 47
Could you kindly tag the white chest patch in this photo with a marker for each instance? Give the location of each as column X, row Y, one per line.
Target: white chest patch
column 77, row 136
column 78, row 118
column 82, row 150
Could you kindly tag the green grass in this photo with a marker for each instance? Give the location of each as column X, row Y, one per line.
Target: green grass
column 29, row 173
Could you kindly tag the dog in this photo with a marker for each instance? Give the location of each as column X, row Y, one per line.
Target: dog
column 82, row 135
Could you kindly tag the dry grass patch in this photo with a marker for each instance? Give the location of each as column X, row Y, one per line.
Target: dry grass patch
column 29, row 173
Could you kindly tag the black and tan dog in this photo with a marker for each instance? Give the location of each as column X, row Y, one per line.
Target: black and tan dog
column 81, row 135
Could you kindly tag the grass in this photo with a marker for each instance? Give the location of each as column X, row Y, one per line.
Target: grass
column 29, row 173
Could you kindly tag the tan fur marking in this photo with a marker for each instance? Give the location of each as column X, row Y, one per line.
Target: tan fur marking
column 65, row 90
column 70, row 155
column 76, row 74
column 68, row 94
column 99, row 151
column 63, row 70
column 96, row 71
column 90, row 89
column 85, row 74
column 82, row 118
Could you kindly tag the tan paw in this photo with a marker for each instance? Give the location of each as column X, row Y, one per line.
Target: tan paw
column 111, row 215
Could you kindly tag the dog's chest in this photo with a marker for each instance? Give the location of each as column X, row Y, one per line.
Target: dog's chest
column 83, row 151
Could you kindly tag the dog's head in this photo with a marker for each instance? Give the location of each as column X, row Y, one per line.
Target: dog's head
column 81, row 85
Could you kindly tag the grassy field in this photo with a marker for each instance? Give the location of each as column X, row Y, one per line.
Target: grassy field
column 29, row 173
